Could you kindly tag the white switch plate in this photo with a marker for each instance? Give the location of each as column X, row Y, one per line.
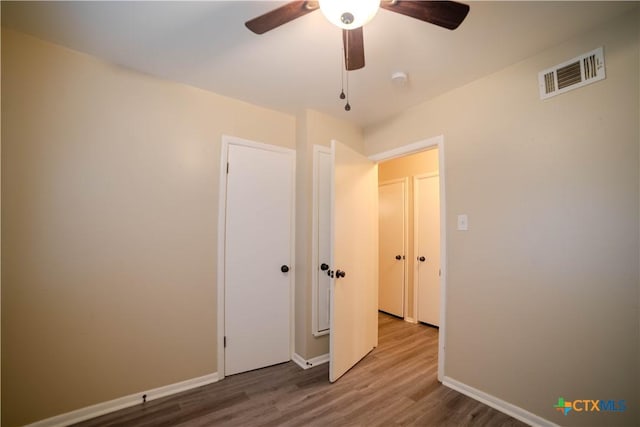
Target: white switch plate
column 463, row 222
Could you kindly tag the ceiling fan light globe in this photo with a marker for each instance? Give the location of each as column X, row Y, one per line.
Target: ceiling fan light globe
column 349, row 14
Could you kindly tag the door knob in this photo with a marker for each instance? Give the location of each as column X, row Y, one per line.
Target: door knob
column 422, row 259
column 284, row 268
column 340, row 273
column 324, row 267
column 398, row 257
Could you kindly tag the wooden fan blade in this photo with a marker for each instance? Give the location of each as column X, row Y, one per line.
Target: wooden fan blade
column 281, row 15
column 447, row 14
column 353, row 43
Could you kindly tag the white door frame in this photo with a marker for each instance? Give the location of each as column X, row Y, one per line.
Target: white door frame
column 222, row 221
column 437, row 141
column 405, row 245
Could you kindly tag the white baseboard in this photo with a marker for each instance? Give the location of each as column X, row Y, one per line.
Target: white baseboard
column 499, row 404
column 306, row 364
column 103, row 408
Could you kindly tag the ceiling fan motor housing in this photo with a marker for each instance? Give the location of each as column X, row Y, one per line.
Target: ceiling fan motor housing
column 349, row 14
column 346, row 18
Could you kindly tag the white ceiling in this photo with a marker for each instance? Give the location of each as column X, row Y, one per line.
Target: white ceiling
column 297, row 66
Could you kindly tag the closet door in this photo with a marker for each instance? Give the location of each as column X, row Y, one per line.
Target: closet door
column 321, row 257
column 426, row 193
column 392, row 199
column 258, row 280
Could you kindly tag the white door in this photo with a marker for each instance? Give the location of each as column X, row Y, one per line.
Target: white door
column 391, row 226
column 258, row 256
column 354, row 296
column 321, row 239
column 426, row 193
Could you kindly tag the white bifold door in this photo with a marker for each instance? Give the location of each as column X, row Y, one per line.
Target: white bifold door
column 392, row 224
column 258, row 256
column 354, row 265
column 426, row 195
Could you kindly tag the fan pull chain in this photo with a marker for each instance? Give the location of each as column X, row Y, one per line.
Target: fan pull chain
column 343, row 67
column 347, row 107
column 342, row 95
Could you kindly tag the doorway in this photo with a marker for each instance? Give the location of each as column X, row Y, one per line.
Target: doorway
column 433, row 147
column 434, row 143
column 409, row 237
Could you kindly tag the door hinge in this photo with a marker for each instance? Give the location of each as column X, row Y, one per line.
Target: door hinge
column 224, row 342
column 439, row 272
column 227, row 168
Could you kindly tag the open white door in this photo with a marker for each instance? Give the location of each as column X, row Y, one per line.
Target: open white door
column 354, row 296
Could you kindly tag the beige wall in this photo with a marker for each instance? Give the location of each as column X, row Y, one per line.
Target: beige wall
column 109, row 214
column 313, row 128
column 408, row 167
column 109, row 217
column 543, row 288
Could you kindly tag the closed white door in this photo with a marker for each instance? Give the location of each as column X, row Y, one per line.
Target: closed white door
column 258, row 256
column 354, row 287
column 427, row 247
column 392, row 226
column 322, row 239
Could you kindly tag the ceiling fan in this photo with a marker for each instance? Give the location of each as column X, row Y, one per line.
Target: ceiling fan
column 351, row 15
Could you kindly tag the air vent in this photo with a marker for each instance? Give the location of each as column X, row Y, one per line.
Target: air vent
column 572, row 74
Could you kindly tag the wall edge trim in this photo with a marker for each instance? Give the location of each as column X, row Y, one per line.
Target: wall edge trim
column 310, row 363
column 497, row 403
column 113, row 405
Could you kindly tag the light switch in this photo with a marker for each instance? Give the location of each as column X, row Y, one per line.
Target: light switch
column 463, row 222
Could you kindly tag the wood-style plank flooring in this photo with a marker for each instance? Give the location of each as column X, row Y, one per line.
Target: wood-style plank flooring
column 394, row 385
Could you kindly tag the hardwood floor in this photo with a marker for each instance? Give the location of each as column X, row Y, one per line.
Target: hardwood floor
column 394, row 385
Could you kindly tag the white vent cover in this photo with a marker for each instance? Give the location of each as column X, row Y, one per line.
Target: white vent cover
column 572, row 74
